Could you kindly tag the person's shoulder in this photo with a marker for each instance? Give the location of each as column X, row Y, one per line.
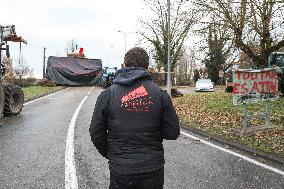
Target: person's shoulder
column 163, row 92
column 154, row 84
column 165, row 96
column 105, row 93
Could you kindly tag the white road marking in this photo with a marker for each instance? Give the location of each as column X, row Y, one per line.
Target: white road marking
column 45, row 96
column 70, row 169
column 234, row 153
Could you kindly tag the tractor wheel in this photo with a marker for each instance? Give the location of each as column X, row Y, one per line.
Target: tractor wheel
column 14, row 100
column 104, row 84
column 110, row 81
column 1, row 100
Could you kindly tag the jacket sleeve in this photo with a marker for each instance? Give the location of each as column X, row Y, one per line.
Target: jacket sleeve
column 170, row 121
column 98, row 126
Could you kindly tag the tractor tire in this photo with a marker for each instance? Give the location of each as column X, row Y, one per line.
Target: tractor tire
column 104, row 84
column 14, row 100
column 1, row 100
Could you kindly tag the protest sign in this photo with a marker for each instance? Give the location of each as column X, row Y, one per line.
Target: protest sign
column 251, row 86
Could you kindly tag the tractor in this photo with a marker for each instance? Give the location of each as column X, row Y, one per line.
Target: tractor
column 108, row 76
column 11, row 96
column 276, row 59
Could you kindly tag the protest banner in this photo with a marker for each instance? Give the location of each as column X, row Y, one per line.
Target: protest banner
column 252, row 86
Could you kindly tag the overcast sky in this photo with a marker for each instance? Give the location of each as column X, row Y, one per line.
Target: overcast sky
column 93, row 24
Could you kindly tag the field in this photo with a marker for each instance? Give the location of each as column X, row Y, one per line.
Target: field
column 215, row 113
column 35, row 91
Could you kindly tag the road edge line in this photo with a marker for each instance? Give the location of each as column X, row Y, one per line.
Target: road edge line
column 234, row 153
column 267, row 156
column 70, row 168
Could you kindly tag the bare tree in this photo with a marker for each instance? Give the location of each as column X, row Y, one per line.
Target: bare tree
column 155, row 29
column 71, row 46
column 245, row 62
column 22, row 69
column 184, row 68
column 196, row 75
column 252, row 23
column 192, row 62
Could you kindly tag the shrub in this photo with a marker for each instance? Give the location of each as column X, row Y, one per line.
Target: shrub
column 229, row 89
column 25, row 82
column 46, row 83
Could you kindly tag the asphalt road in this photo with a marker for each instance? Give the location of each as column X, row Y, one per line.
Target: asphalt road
column 32, row 152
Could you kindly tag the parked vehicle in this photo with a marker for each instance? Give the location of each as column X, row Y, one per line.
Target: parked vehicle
column 74, row 70
column 108, row 76
column 204, row 85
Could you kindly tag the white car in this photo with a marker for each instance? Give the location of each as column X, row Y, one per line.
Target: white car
column 204, row 85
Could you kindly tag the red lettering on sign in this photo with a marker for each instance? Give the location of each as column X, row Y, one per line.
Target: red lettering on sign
column 268, row 75
column 236, row 88
column 274, row 75
column 255, row 87
column 246, row 75
column 238, row 75
column 254, row 75
column 271, row 87
column 262, row 85
column 244, row 89
column 262, row 75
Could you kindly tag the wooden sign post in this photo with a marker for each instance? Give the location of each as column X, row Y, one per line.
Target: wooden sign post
column 253, row 86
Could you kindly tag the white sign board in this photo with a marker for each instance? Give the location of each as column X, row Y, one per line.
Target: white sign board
column 251, row 86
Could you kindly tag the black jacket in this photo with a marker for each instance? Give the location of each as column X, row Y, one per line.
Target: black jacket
column 130, row 133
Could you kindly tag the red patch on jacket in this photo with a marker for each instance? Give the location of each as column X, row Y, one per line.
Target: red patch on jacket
column 137, row 100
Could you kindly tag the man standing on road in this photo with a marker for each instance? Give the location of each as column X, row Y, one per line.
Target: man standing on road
column 130, row 121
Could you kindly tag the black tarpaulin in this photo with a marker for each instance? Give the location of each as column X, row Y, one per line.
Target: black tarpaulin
column 74, row 71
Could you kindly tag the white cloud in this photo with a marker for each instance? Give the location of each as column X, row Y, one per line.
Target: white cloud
column 92, row 23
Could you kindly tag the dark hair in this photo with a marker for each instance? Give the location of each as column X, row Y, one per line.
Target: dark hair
column 136, row 57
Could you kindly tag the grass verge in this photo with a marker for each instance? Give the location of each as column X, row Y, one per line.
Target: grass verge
column 215, row 113
column 34, row 91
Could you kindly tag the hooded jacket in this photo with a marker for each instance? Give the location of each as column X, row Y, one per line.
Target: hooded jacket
column 130, row 121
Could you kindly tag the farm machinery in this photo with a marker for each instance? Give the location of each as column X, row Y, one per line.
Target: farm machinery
column 276, row 59
column 11, row 96
column 108, row 76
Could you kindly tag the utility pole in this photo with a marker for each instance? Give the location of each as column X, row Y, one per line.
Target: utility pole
column 125, row 38
column 124, row 43
column 124, row 33
column 1, row 36
column 169, row 51
column 43, row 70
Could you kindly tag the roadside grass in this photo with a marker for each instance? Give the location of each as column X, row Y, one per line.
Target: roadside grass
column 215, row 113
column 34, row 91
